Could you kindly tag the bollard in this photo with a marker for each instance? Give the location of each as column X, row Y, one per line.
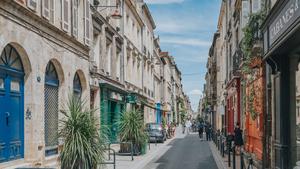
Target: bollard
column 233, row 157
column 131, row 151
column 250, row 163
column 223, row 149
column 114, row 159
column 242, row 160
column 109, row 151
column 229, row 160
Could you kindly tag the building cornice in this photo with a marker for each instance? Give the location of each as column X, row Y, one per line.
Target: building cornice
column 149, row 16
column 132, row 7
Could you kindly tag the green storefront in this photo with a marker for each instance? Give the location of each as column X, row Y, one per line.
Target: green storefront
column 112, row 105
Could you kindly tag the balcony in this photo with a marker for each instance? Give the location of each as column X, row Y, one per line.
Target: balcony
column 237, row 60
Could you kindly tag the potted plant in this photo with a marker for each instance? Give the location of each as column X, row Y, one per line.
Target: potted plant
column 82, row 145
column 131, row 129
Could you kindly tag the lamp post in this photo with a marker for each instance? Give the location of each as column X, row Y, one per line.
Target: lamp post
column 225, row 108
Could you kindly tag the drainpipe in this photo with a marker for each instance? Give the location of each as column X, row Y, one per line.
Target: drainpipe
column 143, row 61
column 124, row 47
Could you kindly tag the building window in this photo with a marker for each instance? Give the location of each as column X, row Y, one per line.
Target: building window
column 65, row 15
column 75, row 18
column 51, row 110
column 77, row 89
column 87, row 22
column 48, row 10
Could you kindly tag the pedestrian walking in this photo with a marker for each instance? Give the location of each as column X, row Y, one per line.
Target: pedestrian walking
column 238, row 138
column 208, row 132
column 188, row 126
column 183, row 128
column 200, row 131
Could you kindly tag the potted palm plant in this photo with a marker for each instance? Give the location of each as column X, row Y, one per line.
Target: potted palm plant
column 82, row 145
column 131, row 127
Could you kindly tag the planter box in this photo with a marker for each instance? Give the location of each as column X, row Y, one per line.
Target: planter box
column 125, row 149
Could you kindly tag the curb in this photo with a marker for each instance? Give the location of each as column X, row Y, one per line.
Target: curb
column 217, row 156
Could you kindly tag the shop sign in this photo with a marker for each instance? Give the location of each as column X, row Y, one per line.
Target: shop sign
column 288, row 15
column 131, row 99
column 116, row 96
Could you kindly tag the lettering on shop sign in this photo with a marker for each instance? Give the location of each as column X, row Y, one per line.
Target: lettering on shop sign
column 284, row 20
column 116, row 96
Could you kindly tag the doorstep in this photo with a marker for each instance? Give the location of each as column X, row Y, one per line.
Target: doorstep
column 15, row 164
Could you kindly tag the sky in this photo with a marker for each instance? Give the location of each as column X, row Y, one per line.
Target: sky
column 185, row 29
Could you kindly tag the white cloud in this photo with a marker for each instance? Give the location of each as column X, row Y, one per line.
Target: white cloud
column 195, row 92
column 163, row 1
column 186, row 41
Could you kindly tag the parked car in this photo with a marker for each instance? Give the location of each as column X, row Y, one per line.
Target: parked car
column 156, row 133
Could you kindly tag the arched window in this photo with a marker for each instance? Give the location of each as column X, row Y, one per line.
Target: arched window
column 11, row 59
column 51, row 77
column 77, row 89
column 51, row 109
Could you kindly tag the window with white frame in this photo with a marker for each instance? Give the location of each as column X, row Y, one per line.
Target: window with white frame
column 87, row 22
column 48, row 10
column 65, row 15
column 75, row 5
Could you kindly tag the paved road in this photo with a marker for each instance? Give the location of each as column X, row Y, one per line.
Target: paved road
column 185, row 153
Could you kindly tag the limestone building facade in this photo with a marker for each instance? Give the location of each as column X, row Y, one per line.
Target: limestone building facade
column 53, row 49
column 44, row 59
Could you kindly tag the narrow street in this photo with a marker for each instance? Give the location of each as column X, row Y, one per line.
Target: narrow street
column 185, row 153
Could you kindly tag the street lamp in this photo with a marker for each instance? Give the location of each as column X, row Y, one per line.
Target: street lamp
column 115, row 15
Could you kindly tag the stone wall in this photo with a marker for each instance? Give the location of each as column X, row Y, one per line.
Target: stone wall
column 37, row 49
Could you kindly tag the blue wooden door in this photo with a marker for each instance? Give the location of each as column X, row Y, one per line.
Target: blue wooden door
column 3, row 126
column 11, row 105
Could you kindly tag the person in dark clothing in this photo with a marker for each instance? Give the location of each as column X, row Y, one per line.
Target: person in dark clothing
column 208, row 132
column 238, row 138
column 200, row 130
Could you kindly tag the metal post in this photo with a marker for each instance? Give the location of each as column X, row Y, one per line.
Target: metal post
column 223, row 148
column 155, row 140
column 233, row 157
column 228, row 150
column 250, row 163
column 109, row 152
column 242, row 160
column 114, row 159
column 131, row 151
column 218, row 143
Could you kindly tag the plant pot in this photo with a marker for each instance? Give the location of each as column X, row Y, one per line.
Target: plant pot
column 126, row 148
column 144, row 148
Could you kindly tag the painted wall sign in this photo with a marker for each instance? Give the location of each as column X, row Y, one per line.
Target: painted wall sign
column 116, row 96
column 284, row 20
